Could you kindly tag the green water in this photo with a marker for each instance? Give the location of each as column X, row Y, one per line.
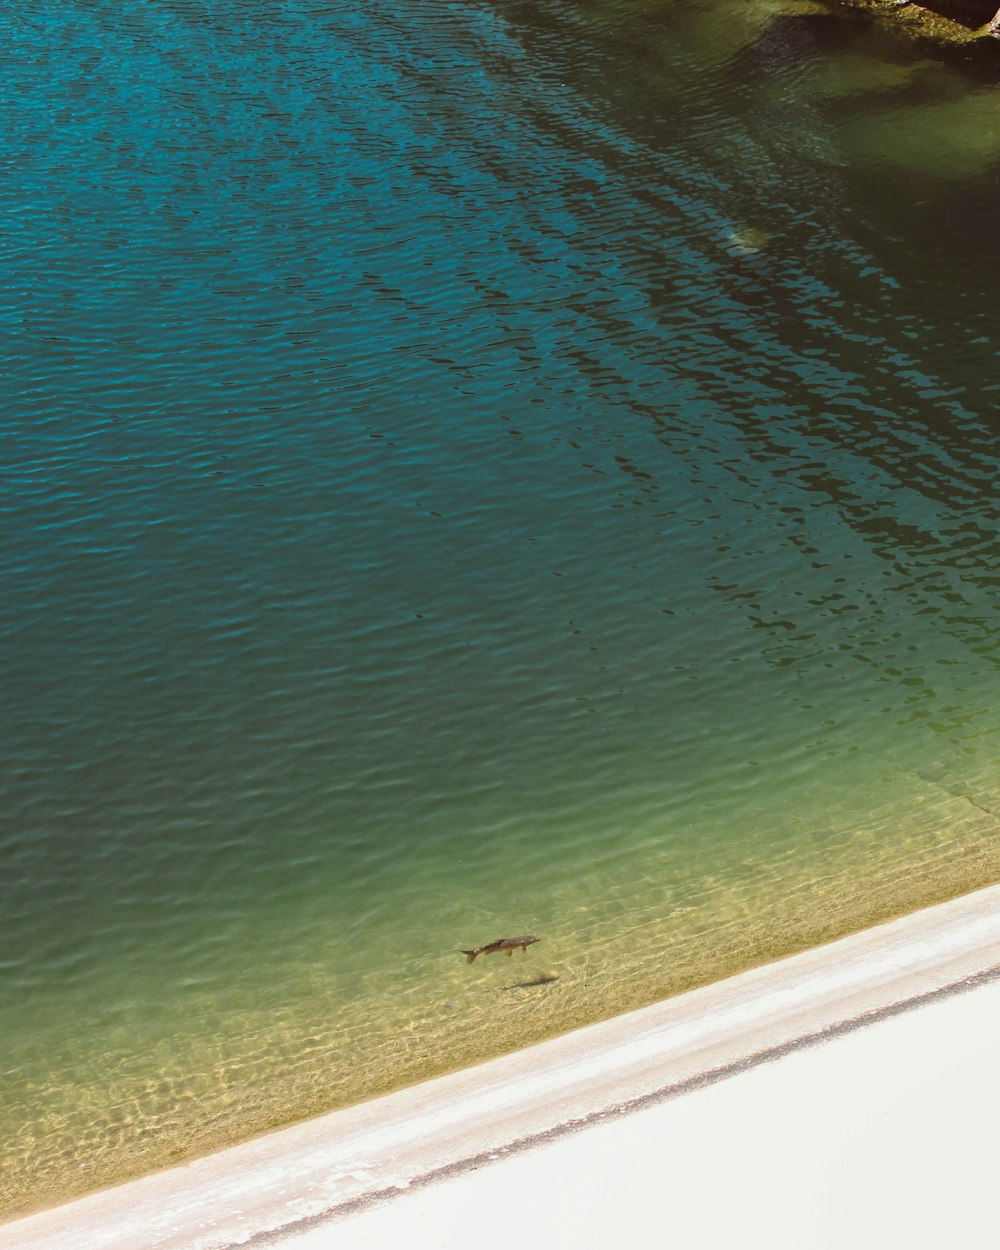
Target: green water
column 470, row 471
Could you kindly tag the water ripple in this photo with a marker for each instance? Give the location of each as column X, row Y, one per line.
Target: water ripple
column 509, row 466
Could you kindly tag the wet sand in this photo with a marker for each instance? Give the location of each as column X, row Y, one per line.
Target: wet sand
column 880, row 1137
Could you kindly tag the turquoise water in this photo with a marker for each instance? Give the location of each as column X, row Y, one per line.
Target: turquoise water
column 469, row 470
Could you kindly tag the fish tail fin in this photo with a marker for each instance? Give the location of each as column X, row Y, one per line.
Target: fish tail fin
column 470, row 955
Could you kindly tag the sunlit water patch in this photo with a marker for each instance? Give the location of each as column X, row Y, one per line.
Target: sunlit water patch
column 467, row 471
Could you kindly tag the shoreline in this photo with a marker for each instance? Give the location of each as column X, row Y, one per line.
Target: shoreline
column 597, row 979
column 300, row 1179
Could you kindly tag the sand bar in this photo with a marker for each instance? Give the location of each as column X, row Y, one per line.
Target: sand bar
column 712, row 1061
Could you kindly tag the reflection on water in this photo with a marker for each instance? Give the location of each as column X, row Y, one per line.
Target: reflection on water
column 525, row 468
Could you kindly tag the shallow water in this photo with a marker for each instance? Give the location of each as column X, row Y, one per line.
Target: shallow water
column 469, row 469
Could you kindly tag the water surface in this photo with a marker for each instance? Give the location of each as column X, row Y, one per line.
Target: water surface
column 467, row 470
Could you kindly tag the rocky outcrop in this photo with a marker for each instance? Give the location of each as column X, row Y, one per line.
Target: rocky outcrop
column 949, row 22
column 973, row 14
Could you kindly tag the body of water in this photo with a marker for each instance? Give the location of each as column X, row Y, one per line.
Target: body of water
column 469, row 470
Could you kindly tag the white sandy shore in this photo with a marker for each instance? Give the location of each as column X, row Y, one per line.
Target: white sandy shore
column 845, row 1096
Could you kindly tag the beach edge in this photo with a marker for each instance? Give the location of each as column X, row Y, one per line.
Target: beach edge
column 271, row 1189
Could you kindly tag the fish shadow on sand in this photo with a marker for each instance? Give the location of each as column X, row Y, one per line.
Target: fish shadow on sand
column 546, row 978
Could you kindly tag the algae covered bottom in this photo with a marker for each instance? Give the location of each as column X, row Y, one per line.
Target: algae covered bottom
column 945, row 24
column 470, row 470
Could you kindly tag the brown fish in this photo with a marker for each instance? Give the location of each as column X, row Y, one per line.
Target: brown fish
column 509, row 945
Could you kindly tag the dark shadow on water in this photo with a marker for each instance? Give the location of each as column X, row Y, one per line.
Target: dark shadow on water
column 546, row 978
column 968, row 13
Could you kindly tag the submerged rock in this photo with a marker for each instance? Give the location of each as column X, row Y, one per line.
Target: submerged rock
column 745, row 240
column 948, row 23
